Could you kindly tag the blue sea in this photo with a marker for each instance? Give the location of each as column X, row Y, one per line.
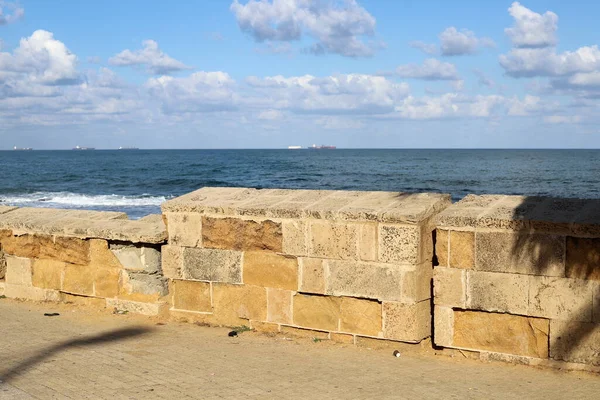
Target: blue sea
column 138, row 181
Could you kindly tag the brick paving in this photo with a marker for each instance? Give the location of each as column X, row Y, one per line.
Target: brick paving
column 84, row 354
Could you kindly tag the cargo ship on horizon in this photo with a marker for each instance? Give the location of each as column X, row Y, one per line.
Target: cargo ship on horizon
column 321, row 147
column 83, row 148
column 22, row 148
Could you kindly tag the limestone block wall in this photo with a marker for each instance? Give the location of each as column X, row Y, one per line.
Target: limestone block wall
column 519, row 278
column 96, row 258
column 341, row 263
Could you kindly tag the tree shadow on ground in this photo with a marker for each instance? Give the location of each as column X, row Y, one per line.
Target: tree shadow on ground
column 560, row 238
column 41, row 355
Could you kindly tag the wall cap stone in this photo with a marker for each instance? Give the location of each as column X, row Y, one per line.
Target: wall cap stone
column 317, row 204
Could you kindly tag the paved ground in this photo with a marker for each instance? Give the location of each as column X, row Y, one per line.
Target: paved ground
column 84, row 354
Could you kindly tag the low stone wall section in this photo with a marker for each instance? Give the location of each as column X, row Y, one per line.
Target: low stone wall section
column 519, row 278
column 338, row 263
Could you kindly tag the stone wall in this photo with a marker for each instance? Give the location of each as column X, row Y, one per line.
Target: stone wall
column 519, row 278
column 96, row 258
column 342, row 264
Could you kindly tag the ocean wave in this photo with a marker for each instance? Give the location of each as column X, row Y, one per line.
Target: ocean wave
column 76, row 200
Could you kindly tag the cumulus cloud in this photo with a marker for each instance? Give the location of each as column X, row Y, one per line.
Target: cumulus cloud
column 456, row 43
column 547, row 62
column 150, row 56
column 431, row 70
column 337, row 27
column 532, row 30
column 200, row 92
column 10, row 12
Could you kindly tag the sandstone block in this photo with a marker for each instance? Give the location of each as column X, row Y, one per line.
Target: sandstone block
column 236, row 304
column 142, row 287
column 406, row 322
column 399, row 244
column 295, row 237
column 583, row 258
column 443, row 326
column 106, row 282
column 238, row 234
column 47, row 274
column 18, row 271
column 561, row 298
column 78, row 280
column 70, row 250
column 368, row 242
column 265, row 327
column 363, row 279
column 101, row 256
column 532, row 254
column 30, row 293
column 270, row 270
column 502, row 333
column 491, row 291
column 341, row 338
column 184, row 229
column 135, row 307
column 462, row 249
column 316, row 312
column 304, row 333
column 449, row 287
column 575, row 342
column 416, row 283
column 331, row 240
column 95, row 302
column 191, row 296
column 442, row 247
column 212, row 265
column 172, row 261
column 312, row 273
column 279, row 306
column 360, row 316
column 140, row 258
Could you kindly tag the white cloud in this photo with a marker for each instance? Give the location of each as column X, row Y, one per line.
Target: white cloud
column 546, row 62
column 337, row 27
column 151, row 56
column 270, row 115
column 427, row 48
column 338, row 123
column 563, row 119
column 199, row 92
column 483, row 79
column 455, row 43
column 532, row 30
column 42, row 59
column 529, row 105
column 585, row 80
column 10, row 12
column 432, row 69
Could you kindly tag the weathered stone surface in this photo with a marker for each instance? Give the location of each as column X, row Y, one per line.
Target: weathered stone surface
column 236, row 304
column 271, row 270
column 78, row 280
column 502, row 333
column 265, row 327
column 212, row 265
column 136, row 307
column 399, row 244
column 368, row 242
column 462, row 249
column 441, row 247
column 491, row 291
column 363, row 279
column 138, row 286
column 596, row 303
column 341, row 338
column 71, row 250
column 331, row 240
column 312, row 272
column 406, row 322
column 443, row 326
column 561, row 298
column 295, row 237
column 449, row 287
column 138, row 258
column 191, row 296
column 360, row 316
column 18, row 271
column 304, row 333
column 521, row 253
column 184, row 229
column 279, row 306
column 417, row 283
column 93, row 302
column 30, row 293
column 101, row 256
column 106, row 281
column 172, row 261
column 238, row 234
column 583, row 258
column 575, row 342
column 317, row 312
column 47, row 274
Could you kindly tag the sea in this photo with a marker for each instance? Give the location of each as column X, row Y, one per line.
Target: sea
column 138, row 181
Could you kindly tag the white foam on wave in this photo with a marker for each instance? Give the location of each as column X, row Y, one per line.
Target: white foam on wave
column 75, row 200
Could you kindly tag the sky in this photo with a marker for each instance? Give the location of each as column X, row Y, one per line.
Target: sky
column 274, row 73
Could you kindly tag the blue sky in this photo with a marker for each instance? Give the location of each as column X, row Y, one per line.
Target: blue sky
column 273, row 73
